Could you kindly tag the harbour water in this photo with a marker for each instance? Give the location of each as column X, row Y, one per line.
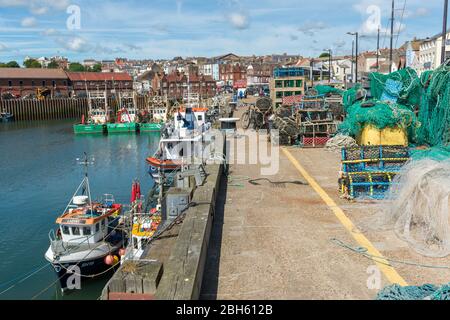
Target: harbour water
column 38, row 175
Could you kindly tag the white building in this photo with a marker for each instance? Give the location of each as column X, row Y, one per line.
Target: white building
column 210, row 69
column 430, row 52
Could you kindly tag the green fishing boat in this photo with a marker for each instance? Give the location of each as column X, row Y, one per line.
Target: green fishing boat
column 150, row 127
column 128, row 127
column 89, row 128
column 96, row 119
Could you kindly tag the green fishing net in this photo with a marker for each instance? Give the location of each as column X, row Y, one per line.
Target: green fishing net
column 420, row 105
column 434, row 112
column 402, row 87
column 350, row 96
column 379, row 114
column 325, row 90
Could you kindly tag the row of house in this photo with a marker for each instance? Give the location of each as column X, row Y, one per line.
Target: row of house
column 19, row 82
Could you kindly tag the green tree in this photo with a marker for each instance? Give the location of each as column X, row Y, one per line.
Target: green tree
column 53, row 65
column 32, row 63
column 76, row 67
column 2, row 65
column 324, row 55
column 12, row 64
column 96, row 68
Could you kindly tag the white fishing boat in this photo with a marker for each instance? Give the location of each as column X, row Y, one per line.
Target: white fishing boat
column 87, row 242
column 183, row 139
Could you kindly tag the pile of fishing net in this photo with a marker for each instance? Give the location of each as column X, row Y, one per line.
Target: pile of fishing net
column 434, row 113
column 380, row 114
column 418, row 207
column 425, row 292
column 323, row 90
column 340, row 141
column 402, row 87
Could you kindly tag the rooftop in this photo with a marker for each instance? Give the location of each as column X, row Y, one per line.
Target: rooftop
column 21, row 73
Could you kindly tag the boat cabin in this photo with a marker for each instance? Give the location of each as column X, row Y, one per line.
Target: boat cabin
column 86, row 224
column 99, row 116
column 144, row 227
column 128, row 115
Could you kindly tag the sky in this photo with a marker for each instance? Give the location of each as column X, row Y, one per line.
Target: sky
column 163, row 29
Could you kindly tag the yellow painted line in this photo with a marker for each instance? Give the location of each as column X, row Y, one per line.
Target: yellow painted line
column 389, row 271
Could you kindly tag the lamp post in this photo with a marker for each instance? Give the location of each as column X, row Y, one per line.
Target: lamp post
column 330, row 53
column 356, row 34
column 444, row 31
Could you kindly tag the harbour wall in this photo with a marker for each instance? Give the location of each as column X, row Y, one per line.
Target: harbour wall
column 58, row 109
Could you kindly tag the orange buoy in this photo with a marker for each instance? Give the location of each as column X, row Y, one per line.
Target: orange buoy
column 122, row 252
column 109, row 260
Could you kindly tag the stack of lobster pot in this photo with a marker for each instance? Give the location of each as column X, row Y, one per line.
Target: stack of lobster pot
column 368, row 171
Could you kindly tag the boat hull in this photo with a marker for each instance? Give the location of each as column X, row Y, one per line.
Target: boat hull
column 68, row 272
column 7, row 118
column 166, row 167
column 89, row 128
column 150, row 127
column 122, row 127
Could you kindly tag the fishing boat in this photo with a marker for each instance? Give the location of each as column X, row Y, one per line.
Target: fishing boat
column 126, row 118
column 126, row 122
column 87, row 242
column 182, row 139
column 96, row 119
column 143, row 225
column 6, row 116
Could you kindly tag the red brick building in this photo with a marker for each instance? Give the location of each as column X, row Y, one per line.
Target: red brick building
column 231, row 72
column 22, row 82
column 96, row 81
column 175, row 85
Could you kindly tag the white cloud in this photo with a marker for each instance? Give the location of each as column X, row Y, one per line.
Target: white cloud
column 39, row 10
column 28, row 22
column 239, row 21
column 311, row 28
column 49, row 32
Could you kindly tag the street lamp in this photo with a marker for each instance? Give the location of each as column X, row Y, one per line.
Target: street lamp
column 356, row 54
column 444, row 32
column 330, row 53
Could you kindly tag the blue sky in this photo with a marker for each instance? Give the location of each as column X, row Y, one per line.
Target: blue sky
column 168, row 28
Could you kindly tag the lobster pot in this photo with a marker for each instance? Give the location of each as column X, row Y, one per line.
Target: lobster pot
column 371, row 185
column 314, row 142
column 374, row 158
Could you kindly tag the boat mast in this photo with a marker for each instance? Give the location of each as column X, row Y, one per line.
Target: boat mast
column 89, row 98
column 106, row 102
column 87, row 188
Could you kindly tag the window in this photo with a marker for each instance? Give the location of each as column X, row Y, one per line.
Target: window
column 279, row 94
column 298, row 93
column 200, row 118
column 65, row 83
column 278, row 84
column 32, row 83
column 21, row 83
column 97, row 227
column 288, row 93
column 44, row 83
column 66, row 230
column 86, row 231
column 53, row 83
column 76, row 231
column 299, row 83
column 9, row 83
